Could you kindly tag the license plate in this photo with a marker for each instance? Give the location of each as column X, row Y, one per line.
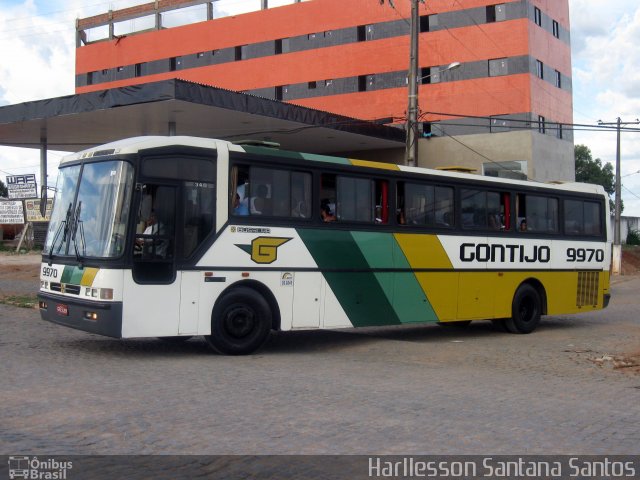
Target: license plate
column 62, row 309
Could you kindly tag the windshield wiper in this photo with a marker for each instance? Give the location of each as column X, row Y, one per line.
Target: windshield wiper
column 63, row 228
column 77, row 225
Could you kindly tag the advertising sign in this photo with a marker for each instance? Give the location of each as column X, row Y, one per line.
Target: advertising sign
column 22, row 186
column 11, row 212
column 32, row 210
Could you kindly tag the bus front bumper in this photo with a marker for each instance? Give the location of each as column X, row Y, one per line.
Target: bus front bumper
column 103, row 318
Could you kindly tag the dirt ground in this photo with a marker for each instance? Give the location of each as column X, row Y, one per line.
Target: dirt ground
column 19, row 280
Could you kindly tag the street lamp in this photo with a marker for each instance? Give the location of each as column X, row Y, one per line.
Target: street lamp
column 411, row 153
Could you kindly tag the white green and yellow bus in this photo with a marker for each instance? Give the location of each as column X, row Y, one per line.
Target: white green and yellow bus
column 179, row 236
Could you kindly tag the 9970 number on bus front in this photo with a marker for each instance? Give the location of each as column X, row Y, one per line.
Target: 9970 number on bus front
column 585, row 254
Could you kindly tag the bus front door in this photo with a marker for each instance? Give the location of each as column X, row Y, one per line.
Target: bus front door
column 152, row 293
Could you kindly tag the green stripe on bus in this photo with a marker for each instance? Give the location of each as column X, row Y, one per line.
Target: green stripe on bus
column 72, row 275
column 359, row 292
column 67, row 273
column 402, row 289
column 274, row 152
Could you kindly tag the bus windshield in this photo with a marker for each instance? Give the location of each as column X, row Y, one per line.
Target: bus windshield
column 91, row 210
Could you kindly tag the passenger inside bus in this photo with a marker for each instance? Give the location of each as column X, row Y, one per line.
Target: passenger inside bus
column 326, row 213
column 260, row 204
column 240, row 207
column 523, row 225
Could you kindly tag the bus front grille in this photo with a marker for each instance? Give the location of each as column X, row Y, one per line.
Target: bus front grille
column 588, row 283
column 65, row 288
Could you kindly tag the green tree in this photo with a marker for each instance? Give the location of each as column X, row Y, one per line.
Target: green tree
column 3, row 190
column 590, row 170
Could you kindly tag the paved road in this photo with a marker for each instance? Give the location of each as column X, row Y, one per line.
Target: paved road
column 404, row 390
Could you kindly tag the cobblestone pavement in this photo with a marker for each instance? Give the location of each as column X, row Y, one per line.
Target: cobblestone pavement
column 401, row 390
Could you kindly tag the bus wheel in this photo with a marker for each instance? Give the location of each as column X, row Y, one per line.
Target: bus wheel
column 525, row 310
column 240, row 322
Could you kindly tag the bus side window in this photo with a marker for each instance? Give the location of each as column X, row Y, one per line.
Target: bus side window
column 239, row 191
column 381, row 214
column 537, row 213
column 355, row 199
column 484, row 210
column 424, row 204
column 328, row 197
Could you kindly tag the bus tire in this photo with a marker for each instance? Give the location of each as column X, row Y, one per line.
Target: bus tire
column 240, row 322
column 525, row 310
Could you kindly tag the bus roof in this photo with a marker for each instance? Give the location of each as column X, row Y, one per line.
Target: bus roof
column 135, row 144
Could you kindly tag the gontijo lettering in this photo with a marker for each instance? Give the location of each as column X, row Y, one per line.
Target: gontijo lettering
column 486, row 252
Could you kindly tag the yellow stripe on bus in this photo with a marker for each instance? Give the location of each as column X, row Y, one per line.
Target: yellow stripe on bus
column 370, row 164
column 88, row 276
column 426, row 251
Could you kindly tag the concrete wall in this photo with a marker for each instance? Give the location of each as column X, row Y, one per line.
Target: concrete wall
column 547, row 157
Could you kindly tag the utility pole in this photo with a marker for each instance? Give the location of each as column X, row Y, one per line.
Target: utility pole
column 411, row 148
column 617, row 249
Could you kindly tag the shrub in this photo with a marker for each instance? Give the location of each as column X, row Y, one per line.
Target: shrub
column 633, row 237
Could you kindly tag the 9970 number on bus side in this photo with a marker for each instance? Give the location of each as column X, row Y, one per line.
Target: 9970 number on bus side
column 585, row 254
column 49, row 272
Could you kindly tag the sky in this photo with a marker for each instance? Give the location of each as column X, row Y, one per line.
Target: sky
column 37, row 48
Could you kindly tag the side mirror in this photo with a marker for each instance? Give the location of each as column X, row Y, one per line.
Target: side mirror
column 43, row 201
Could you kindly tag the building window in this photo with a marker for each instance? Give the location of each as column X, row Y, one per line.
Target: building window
column 280, row 92
column 120, row 69
column 311, row 36
column 312, row 85
column 90, row 78
column 498, row 67
column 240, row 53
column 539, row 69
column 365, row 32
column 138, row 70
column 428, row 22
column 105, row 71
column 172, row 64
column 429, row 75
column 496, row 13
column 365, row 82
column 424, row 23
column 558, row 79
column 537, row 16
column 556, row 29
column 199, row 54
column 541, row 124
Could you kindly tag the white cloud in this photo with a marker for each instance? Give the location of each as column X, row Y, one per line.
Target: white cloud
column 606, row 82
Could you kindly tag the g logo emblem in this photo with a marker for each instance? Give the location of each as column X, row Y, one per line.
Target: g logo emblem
column 264, row 250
